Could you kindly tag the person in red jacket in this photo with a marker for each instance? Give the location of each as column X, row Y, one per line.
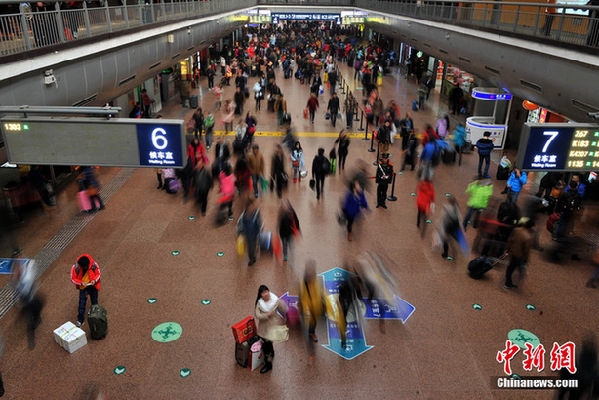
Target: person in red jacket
column 85, row 274
column 312, row 106
column 425, row 201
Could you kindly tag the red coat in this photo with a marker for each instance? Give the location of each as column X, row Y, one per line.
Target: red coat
column 429, row 134
column 93, row 273
column 196, row 154
column 426, row 196
column 312, row 103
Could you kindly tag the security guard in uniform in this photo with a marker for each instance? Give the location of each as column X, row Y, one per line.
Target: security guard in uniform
column 384, row 175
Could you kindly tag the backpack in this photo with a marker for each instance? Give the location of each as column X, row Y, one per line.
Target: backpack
column 209, row 121
column 551, row 222
column 357, row 64
column 326, row 165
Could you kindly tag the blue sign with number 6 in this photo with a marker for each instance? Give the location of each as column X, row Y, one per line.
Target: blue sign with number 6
column 160, row 145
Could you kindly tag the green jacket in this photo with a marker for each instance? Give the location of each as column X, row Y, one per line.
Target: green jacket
column 479, row 195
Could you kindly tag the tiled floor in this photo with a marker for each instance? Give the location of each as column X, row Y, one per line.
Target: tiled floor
column 446, row 350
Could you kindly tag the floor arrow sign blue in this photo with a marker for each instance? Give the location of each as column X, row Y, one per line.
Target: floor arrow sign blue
column 401, row 310
column 355, row 342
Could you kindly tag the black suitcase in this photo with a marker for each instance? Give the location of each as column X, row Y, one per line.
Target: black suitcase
column 503, row 173
column 242, row 353
column 286, row 119
column 98, row 324
column 448, row 156
column 479, row 266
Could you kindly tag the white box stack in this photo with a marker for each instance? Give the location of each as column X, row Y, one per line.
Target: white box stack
column 69, row 337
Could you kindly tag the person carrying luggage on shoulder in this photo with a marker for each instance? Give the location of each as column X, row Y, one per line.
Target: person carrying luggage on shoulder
column 485, row 146
column 85, row 274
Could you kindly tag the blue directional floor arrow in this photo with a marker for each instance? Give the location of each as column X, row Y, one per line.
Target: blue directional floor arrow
column 355, row 340
column 401, row 310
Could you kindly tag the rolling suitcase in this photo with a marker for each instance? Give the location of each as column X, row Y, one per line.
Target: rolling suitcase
column 84, row 201
column 479, row 266
column 415, row 105
column 242, row 353
column 98, row 324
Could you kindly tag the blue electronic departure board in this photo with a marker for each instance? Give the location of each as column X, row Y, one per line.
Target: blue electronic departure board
column 559, row 147
column 160, row 145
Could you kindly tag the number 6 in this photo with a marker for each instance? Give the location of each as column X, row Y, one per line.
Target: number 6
column 159, row 136
column 553, row 135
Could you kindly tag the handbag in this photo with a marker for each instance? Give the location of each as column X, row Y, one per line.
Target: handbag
column 295, row 164
column 327, row 116
column 306, row 113
column 312, row 184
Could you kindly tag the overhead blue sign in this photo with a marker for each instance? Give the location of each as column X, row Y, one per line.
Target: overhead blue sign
column 491, row 96
column 7, row 264
column 160, row 145
column 305, row 17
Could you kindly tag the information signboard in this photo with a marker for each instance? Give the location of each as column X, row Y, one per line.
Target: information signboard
column 559, row 147
column 121, row 142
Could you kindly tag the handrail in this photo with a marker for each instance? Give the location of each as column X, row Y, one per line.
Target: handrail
column 27, row 30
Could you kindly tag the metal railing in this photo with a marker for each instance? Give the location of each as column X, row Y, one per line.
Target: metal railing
column 29, row 30
column 565, row 23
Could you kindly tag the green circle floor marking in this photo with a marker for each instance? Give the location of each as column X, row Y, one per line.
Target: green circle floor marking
column 175, row 253
column 412, row 194
column 449, row 258
column 447, row 194
column 401, row 173
column 520, row 337
column 530, row 307
column 120, row 370
column 515, row 377
column 230, row 218
column 428, row 221
column 220, row 254
column 206, row 302
column 185, row 372
column 152, row 300
column 477, row 306
column 167, row 332
column 191, row 218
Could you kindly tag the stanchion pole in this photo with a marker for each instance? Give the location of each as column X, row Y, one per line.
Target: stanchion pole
column 392, row 197
column 342, row 85
column 362, row 122
column 371, row 149
column 356, row 108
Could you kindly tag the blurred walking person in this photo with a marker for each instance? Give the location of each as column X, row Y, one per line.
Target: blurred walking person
column 519, row 244
column 250, row 224
column 353, row 204
column 450, row 227
column 289, row 227
column 278, row 176
column 425, row 202
column 203, row 183
column 311, row 303
column 343, row 141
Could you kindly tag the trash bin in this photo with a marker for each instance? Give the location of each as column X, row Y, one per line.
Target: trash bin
column 193, row 101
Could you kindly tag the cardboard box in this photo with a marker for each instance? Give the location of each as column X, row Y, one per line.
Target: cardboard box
column 69, row 337
column 244, row 330
column 255, row 360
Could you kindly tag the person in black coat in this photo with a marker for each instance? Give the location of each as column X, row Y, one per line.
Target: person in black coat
column 384, row 176
column 278, row 176
column 288, row 226
column 343, row 141
column 239, row 98
column 333, row 108
column 320, row 169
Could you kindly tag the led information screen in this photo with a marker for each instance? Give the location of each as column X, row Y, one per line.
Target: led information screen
column 559, row 147
column 120, row 142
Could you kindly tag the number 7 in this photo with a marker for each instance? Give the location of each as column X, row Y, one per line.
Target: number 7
column 553, row 135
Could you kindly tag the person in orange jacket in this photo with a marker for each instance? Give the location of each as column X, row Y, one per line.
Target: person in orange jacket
column 85, row 274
